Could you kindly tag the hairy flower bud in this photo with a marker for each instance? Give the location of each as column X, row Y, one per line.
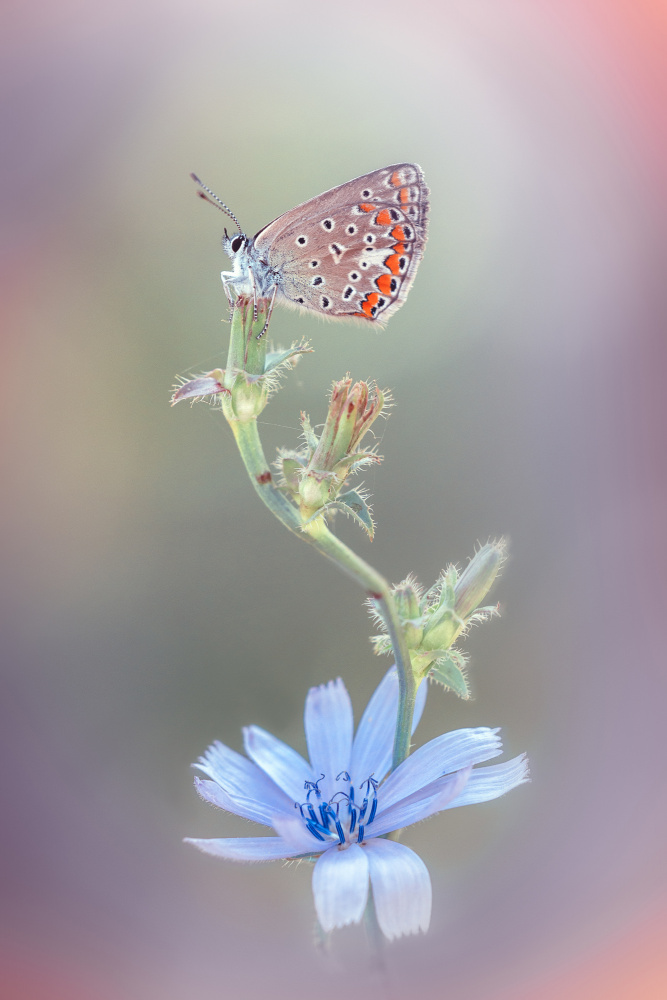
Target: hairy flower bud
column 352, row 410
column 315, row 475
column 478, row 577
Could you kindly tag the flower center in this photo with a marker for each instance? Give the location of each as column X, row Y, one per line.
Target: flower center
column 341, row 816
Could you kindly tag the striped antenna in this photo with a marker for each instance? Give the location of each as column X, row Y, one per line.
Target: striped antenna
column 213, row 199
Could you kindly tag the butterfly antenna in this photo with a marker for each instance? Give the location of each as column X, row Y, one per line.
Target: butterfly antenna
column 213, row 199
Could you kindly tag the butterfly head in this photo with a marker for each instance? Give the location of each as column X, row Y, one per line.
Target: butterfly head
column 234, row 245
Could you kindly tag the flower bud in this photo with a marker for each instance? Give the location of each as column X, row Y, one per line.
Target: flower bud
column 406, row 598
column 352, row 410
column 330, row 458
column 477, row 578
column 457, row 604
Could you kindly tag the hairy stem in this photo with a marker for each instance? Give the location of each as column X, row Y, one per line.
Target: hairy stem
column 247, row 353
column 318, row 535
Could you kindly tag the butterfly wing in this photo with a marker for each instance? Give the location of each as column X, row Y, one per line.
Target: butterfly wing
column 354, row 250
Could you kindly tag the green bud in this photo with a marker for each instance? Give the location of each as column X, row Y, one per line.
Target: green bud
column 314, row 491
column 407, row 599
column 248, row 398
column 477, row 578
column 442, row 629
column 406, row 596
column 457, row 599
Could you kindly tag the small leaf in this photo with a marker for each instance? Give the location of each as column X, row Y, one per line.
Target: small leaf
column 276, row 359
column 381, row 644
column 354, row 503
column 449, row 671
column 353, row 462
column 197, row 388
column 308, row 434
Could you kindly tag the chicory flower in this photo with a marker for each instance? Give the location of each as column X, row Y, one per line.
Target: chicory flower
column 338, row 808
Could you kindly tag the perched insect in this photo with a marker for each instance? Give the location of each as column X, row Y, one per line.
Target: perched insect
column 350, row 252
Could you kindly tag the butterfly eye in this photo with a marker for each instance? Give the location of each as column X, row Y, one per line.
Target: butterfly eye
column 237, row 243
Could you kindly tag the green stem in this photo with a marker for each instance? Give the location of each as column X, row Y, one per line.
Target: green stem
column 248, row 442
column 240, row 405
column 318, row 535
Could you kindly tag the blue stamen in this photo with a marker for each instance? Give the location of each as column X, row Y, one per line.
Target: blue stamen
column 373, row 811
column 339, row 828
column 360, row 836
column 353, row 819
column 313, row 829
column 346, row 778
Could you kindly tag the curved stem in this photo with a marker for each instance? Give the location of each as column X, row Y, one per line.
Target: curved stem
column 318, row 535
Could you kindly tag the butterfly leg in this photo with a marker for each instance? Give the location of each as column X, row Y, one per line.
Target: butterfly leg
column 226, row 282
column 268, row 314
column 253, row 284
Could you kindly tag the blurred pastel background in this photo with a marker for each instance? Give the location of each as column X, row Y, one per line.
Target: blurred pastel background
column 150, row 604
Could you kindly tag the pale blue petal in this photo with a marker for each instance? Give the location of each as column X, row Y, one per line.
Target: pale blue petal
column 287, row 768
column 245, row 848
column 242, row 780
column 340, row 886
column 490, row 782
column 450, row 752
column 401, row 888
column 422, row 804
column 374, row 742
column 293, row 831
column 329, row 724
column 240, row 805
column 211, row 791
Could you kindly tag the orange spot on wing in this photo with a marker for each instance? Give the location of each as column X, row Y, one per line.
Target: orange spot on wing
column 392, row 263
column 366, row 207
column 368, row 303
column 383, row 218
column 399, row 247
column 384, row 284
column 405, row 194
column 397, row 233
column 396, row 179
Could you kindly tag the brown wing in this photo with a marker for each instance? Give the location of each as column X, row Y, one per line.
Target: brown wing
column 354, row 250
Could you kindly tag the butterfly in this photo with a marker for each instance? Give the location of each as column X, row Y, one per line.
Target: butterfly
column 351, row 252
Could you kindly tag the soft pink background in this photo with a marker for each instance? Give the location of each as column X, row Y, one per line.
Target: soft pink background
column 151, row 605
